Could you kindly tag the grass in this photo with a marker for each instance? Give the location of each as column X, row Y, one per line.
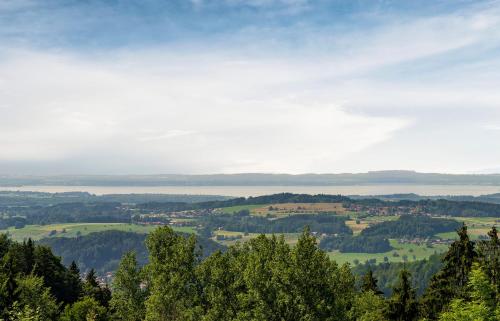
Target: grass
column 474, row 234
column 235, row 209
column 37, row 232
column 366, row 222
column 355, row 227
column 420, row 251
column 476, row 227
column 286, row 209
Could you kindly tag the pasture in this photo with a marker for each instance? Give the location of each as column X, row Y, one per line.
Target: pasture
column 412, row 252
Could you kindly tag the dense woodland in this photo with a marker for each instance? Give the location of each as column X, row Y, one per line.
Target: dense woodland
column 263, row 279
column 386, row 273
column 411, row 226
column 356, row 244
column 243, row 222
column 102, row 251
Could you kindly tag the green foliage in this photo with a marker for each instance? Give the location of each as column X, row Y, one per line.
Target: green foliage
column 321, row 223
column 368, row 306
column 369, row 283
column 356, row 244
column 402, row 305
column 480, row 304
column 489, row 257
column 87, row 309
column 411, row 226
column 32, row 296
column 450, row 281
column 103, row 250
column 386, row 273
column 171, row 274
column 128, row 297
column 26, row 313
column 262, row 279
column 92, row 289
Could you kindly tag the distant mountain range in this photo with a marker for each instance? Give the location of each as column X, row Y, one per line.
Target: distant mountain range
column 251, row 179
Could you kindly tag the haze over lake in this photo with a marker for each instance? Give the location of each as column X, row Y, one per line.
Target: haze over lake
column 427, row 190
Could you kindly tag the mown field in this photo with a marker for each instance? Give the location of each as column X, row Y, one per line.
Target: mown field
column 284, row 209
column 37, row 232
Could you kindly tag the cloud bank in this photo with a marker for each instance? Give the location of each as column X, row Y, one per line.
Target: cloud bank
column 289, row 94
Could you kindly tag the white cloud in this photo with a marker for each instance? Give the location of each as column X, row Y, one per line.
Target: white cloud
column 216, row 115
column 220, row 108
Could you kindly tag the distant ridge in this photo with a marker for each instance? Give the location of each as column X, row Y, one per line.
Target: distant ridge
column 255, row 179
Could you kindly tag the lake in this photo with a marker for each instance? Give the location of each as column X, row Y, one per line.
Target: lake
column 429, row 190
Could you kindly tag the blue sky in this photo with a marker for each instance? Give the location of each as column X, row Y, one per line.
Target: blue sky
column 224, row 86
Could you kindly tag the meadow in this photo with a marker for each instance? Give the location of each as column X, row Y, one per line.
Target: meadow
column 413, row 252
column 37, row 232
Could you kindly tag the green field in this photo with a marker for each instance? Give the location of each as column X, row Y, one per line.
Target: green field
column 37, row 232
column 476, row 227
column 235, row 209
column 420, row 252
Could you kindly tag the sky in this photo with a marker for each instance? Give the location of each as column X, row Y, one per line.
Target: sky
column 231, row 86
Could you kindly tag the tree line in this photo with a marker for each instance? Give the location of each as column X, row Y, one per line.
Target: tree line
column 321, row 223
column 262, row 279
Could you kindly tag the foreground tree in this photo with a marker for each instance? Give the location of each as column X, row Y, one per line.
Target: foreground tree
column 481, row 304
column 324, row 290
column 173, row 286
column 128, row 297
column 87, row 309
column 489, row 257
column 33, row 297
column 369, row 283
column 450, row 281
column 92, row 288
column 402, row 305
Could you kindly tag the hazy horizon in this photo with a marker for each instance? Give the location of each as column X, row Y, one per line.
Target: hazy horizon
column 231, row 86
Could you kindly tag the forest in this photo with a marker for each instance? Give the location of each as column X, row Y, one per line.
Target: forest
column 102, row 251
column 356, row 244
column 411, row 226
column 262, row 279
column 321, row 223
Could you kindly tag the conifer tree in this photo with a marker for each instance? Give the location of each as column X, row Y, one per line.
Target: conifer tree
column 369, row 283
column 450, row 282
column 73, row 283
column 489, row 257
column 92, row 288
column 402, row 305
column 8, row 286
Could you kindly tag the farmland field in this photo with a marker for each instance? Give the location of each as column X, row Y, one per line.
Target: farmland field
column 286, row 209
column 37, row 232
column 476, row 226
column 355, row 226
column 419, row 251
column 235, row 209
